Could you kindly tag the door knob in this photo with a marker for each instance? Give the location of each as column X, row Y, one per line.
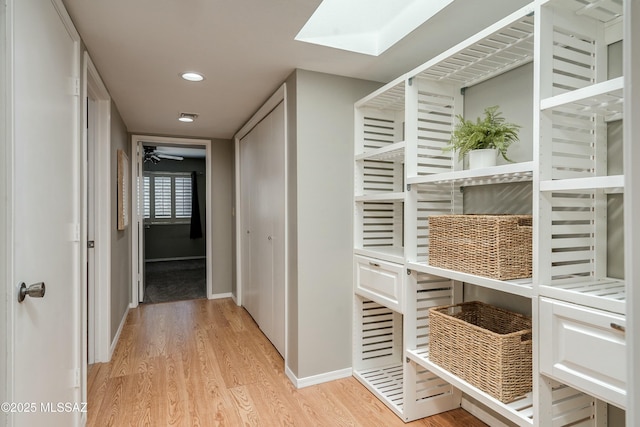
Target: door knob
column 34, row 291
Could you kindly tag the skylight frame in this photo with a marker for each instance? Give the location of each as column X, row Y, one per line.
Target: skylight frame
column 368, row 27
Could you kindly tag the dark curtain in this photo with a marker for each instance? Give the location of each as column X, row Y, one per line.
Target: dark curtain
column 196, row 227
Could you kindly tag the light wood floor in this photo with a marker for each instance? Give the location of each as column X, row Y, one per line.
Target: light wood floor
column 205, row 363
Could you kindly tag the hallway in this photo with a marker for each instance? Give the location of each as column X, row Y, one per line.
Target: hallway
column 205, row 363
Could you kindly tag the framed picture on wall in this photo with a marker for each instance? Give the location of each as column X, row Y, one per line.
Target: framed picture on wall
column 123, row 190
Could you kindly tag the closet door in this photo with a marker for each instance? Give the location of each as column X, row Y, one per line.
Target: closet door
column 263, row 225
column 247, row 179
column 276, row 191
column 262, row 252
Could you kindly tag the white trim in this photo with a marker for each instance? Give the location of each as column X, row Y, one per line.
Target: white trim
column 7, row 377
column 238, row 217
column 317, row 379
column 273, row 101
column 100, row 288
column 80, row 249
column 116, row 338
column 136, row 237
column 221, row 296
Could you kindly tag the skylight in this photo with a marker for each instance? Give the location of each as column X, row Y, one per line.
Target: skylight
column 367, row 26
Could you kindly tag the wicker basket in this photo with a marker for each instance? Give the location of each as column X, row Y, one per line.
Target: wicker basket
column 486, row 346
column 496, row 246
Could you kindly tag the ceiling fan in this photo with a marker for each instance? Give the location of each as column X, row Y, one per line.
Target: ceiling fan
column 151, row 154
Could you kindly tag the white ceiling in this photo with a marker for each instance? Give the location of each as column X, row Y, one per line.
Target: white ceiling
column 245, row 48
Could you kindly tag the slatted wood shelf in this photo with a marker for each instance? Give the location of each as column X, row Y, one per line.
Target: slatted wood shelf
column 614, row 184
column 602, row 98
column 521, row 287
column 600, row 10
column 389, row 97
column 381, row 197
column 519, row 412
column 513, row 172
column 391, row 153
column 570, row 406
column 504, row 46
column 386, row 383
column 605, row 294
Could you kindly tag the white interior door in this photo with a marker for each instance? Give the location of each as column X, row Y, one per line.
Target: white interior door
column 278, row 188
column 247, row 179
column 262, row 184
column 46, row 213
column 262, row 248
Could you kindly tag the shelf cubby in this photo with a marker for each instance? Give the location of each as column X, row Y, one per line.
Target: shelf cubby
column 521, row 287
column 379, row 364
column 607, row 293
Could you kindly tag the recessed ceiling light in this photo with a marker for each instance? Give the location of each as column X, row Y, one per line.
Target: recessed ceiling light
column 187, row 117
column 192, row 76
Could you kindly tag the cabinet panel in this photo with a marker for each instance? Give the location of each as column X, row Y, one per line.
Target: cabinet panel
column 586, row 349
column 380, row 281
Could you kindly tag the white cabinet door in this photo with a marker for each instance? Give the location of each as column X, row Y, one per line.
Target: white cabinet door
column 380, row 281
column 584, row 348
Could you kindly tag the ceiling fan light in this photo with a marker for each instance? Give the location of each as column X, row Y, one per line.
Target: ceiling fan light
column 187, row 117
column 192, row 76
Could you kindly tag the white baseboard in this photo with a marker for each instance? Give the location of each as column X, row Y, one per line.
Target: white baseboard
column 317, row 379
column 235, row 300
column 481, row 413
column 117, row 337
column 220, row 296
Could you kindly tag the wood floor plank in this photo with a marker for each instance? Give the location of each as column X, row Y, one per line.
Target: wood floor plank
column 205, row 363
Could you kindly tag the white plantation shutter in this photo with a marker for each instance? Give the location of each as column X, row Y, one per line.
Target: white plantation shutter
column 182, row 197
column 146, row 197
column 167, row 197
column 162, row 197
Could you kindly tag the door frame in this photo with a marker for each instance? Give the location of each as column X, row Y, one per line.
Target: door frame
column 6, row 184
column 98, row 308
column 137, row 234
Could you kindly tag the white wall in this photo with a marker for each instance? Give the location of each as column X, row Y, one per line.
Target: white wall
column 6, row 288
column 320, row 317
column 222, row 202
column 120, row 240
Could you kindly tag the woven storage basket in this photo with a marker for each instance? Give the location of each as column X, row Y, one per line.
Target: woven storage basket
column 496, row 246
column 484, row 345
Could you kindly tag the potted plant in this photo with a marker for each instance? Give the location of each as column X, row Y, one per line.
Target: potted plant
column 483, row 139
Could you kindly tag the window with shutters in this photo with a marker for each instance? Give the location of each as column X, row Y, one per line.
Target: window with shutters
column 167, row 197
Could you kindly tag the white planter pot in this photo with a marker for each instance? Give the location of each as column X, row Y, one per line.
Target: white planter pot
column 484, row 158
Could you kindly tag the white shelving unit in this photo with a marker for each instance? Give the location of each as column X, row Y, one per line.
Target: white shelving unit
column 403, row 176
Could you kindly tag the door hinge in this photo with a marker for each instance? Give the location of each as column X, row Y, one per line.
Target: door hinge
column 76, row 378
column 74, row 83
column 75, row 232
column 91, row 244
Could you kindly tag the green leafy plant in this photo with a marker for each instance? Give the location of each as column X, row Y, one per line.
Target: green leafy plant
column 488, row 132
